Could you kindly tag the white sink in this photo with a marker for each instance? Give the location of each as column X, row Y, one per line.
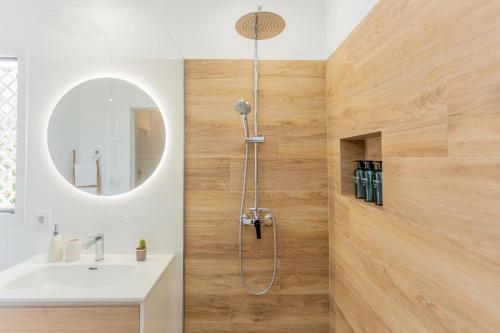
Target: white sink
column 74, row 277
column 116, row 279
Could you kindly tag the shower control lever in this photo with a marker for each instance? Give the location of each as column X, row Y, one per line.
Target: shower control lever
column 256, row 224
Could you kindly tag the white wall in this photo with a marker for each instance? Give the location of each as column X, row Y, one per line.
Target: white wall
column 153, row 211
column 68, row 42
column 342, row 17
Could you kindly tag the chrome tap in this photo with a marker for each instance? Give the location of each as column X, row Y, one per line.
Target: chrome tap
column 256, row 221
column 98, row 241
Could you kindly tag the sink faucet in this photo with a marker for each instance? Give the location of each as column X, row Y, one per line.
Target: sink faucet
column 98, row 240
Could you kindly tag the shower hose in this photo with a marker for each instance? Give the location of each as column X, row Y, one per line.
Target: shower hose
column 242, row 207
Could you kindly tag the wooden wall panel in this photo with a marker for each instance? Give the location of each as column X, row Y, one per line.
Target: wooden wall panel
column 427, row 75
column 293, row 184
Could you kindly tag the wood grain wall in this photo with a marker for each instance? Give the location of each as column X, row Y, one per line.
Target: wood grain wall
column 427, row 75
column 293, row 184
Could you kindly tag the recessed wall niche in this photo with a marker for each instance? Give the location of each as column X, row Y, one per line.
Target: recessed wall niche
column 366, row 147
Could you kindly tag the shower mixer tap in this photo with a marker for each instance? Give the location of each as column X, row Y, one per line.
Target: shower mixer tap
column 257, row 222
column 246, row 221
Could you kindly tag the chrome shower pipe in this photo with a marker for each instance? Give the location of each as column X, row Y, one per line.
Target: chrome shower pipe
column 256, row 113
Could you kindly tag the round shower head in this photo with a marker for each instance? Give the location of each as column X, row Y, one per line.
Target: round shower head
column 268, row 26
column 242, row 107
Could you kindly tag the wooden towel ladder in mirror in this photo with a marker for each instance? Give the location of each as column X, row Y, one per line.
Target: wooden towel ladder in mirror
column 97, row 186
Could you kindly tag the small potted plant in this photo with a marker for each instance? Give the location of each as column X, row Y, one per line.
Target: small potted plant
column 141, row 251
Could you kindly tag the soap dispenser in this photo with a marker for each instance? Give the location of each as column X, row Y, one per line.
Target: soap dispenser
column 56, row 247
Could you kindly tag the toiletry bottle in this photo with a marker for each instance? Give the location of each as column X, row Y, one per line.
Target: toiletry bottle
column 359, row 190
column 56, row 247
column 377, row 184
column 363, row 179
column 369, row 174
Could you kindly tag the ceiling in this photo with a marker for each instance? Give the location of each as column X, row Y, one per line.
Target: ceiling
column 172, row 29
column 101, row 29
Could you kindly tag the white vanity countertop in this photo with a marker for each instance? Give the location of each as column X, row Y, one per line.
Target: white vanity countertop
column 118, row 279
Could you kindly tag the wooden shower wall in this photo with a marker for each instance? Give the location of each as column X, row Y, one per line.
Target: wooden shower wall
column 293, row 184
column 427, row 75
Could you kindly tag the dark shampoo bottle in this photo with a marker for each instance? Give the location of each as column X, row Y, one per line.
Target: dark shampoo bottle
column 377, row 184
column 359, row 174
column 368, row 180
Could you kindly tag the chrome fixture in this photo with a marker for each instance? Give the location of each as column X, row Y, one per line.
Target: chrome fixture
column 257, row 25
column 98, row 241
column 243, row 108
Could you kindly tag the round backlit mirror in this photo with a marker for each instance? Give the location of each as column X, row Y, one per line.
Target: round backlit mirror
column 106, row 136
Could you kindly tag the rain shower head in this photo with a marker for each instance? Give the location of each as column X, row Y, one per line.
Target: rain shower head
column 260, row 25
column 242, row 107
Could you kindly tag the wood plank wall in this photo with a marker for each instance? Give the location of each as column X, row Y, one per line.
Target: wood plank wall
column 427, row 75
column 293, row 183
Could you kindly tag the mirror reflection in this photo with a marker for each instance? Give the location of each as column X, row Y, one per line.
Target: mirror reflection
column 106, row 136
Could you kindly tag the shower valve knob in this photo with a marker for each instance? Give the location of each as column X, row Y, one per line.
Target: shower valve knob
column 268, row 219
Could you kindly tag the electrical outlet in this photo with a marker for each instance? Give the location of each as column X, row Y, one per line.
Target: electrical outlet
column 43, row 217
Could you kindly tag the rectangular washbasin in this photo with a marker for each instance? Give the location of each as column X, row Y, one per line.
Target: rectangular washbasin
column 74, row 277
column 118, row 279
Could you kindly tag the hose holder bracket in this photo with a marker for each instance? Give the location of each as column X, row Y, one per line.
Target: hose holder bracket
column 255, row 139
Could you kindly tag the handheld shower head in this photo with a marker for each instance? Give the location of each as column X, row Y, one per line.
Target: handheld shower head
column 242, row 107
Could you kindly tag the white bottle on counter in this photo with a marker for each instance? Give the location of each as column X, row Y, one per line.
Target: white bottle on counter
column 56, row 247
